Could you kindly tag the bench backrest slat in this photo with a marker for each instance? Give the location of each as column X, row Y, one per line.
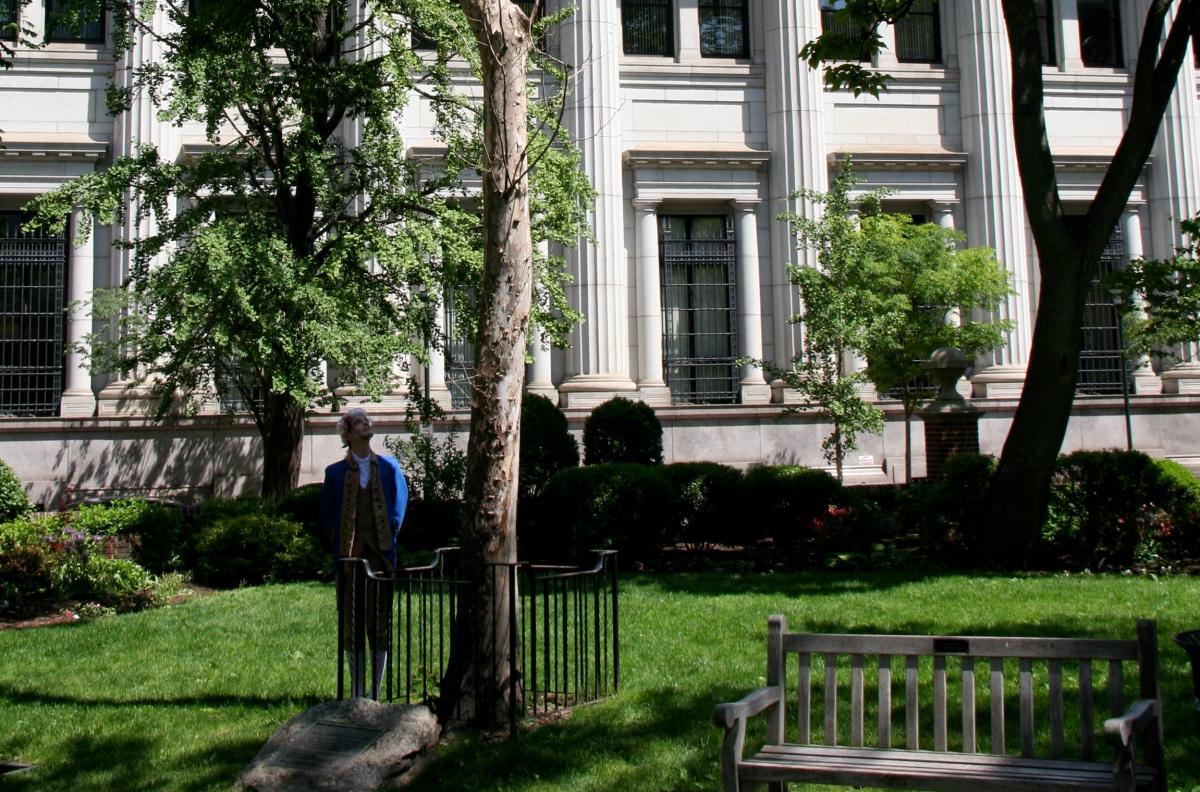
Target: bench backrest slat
column 1087, row 718
column 1026, row 680
column 856, row 701
column 1116, row 688
column 968, row 705
column 1056, row 710
column 997, row 696
column 805, row 697
column 939, row 703
column 831, row 699
column 885, row 701
column 912, row 709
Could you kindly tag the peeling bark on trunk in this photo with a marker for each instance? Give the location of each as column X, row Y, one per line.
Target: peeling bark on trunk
column 283, row 435
column 478, row 686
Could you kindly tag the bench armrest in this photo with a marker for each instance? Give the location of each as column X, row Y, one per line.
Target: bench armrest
column 1123, row 732
column 731, row 717
column 728, row 714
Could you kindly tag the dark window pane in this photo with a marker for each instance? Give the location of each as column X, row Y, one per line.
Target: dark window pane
column 834, row 21
column 1102, row 365
column 919, row 34
column 33, row 268
column 699, row 257
column 75, row 20
column 8, row 19
column 1046, row 32
column 647, row 27
column 1100, row 33
column 724, row 29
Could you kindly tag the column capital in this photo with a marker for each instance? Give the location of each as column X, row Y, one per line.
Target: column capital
column 745, row 204
column 647, row 204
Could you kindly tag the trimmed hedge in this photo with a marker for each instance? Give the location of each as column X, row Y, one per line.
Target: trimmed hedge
column 620, row 430
column 254, row 547
column 547, row 445
column 14, row 503
column 622, row 506
column 795, row 507
column 708, row 501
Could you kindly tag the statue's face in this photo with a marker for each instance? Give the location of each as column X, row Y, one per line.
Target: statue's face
column 360, row 426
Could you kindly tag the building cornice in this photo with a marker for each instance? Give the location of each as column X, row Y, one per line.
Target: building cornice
column 900, row 158
column 697, row 156
column 56, row 148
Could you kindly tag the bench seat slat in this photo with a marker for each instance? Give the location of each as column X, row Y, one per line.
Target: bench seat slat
column 925, row 769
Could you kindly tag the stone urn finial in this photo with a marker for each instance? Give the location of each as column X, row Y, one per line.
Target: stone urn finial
column 946, row 365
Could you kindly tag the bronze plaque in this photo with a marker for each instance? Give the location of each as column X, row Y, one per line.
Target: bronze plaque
column 325, row 747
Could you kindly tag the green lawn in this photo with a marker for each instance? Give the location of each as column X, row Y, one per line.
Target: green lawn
column 182, row 698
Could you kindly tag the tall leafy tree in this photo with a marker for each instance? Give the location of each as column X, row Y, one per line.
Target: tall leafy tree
column 841, row 311
column 1068, row 253
column 935, row 279
column 286, row 242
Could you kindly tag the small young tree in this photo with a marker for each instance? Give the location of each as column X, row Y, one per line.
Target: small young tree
column 933, row 278
column 1160, row 302
column 842, row 310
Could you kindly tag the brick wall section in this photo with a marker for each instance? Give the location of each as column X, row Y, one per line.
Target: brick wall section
column 947, row 434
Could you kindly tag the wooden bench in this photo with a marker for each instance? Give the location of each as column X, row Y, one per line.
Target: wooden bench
column 940, row 687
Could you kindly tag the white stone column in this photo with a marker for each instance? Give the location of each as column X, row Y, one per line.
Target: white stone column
column 435, row 371
column 943, row 215
column 78, row 401
column 1071, row 58
column 1145, row 381
column 754, row 388
column 796, row 138
column 993, row 207
column 136, row 127
column 539, row 375
column 597, row 364
column 1175, row 196
column 649, row 306
column 687, row 31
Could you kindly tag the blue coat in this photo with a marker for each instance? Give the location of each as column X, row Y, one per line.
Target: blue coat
column 395, row 498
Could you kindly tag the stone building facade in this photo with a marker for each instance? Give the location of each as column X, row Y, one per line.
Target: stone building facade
column 697, row 123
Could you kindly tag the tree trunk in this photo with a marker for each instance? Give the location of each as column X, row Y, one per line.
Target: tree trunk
column 283, row 436
column 479, row 683
column 1067, row 261
column 908, row 444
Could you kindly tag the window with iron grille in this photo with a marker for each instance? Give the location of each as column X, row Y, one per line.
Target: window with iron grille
column 724, row 29
column 1047, row 33
column 919, row 34
column 841, row 24
column 699, row 258
column 460, row 356
column 1101, row 363
column 1100, row 33
column 60, row 14
column 33, row 270
column 648, row 27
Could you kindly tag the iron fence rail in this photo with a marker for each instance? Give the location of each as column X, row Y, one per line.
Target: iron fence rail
column 563, row 632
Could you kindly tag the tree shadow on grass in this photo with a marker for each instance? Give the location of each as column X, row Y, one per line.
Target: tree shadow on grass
column 15, row 695
column 125, row 763
column 807, row 583
column 624, row 744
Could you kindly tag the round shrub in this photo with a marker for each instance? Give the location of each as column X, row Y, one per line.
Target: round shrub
column 547, row 446
column 14, row 503
column 1103, row 506
column 790, row 505
column 708, row 503
column 243, row 548
column 620, row 430
column 1182, row 504
column 622, row 506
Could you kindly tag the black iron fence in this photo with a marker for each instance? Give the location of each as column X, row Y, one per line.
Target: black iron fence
column 396, row 631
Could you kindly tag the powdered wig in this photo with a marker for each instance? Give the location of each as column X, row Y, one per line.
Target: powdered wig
column 344, row 423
